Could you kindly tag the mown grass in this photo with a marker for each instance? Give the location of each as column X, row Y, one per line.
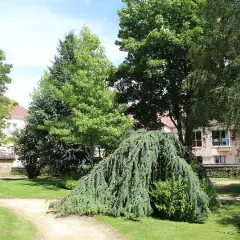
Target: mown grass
column 25, row 188
column 223, row 224
column 14, row 227
column 232, row 190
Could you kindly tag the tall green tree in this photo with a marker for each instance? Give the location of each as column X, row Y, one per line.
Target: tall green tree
column 63, row 158
column 216, row 58
column 93, row 117
column 182, row 57
column 5, row 70
column 157, row 35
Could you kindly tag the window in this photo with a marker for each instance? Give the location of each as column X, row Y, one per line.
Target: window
column 220, row 138
column 197, row 139
column 237, row 159
column 220, row 159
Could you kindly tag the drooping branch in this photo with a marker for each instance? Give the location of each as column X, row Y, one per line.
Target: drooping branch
column 120, row 184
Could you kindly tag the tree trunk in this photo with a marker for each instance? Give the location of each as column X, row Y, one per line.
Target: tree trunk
column 91, row 154
column 188, row 138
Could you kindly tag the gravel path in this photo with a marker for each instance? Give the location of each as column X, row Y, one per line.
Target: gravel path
column 51, row 228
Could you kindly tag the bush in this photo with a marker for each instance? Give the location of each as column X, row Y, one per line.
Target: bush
column 70, row 182
column 18, row 171
column 223, row 171
column 32, row 170
column 67, row 184
column 171, row 201
column 46, row 171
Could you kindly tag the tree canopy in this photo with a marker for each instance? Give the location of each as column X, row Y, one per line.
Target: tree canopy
column 180, row 54
column 5, row 70
column 93, row 118
column 72, row 109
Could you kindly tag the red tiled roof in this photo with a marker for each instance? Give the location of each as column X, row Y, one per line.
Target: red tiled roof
column 19, row 112
column 7, row 157
column 167, row 122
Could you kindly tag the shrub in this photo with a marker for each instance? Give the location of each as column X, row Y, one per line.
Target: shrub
column 170, row 200
column 32, row 169
column 70, row 182
column 18, row 171
column 223, row 171
column 67, row 184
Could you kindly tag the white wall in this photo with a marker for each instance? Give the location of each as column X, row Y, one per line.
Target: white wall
column 13, row 124
column 208, row 151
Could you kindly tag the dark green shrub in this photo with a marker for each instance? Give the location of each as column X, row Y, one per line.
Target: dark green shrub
column 223, row 171
column 170, row 200
column 46, row 171
column 70, row 182
column 18, row 171
column 67, row 184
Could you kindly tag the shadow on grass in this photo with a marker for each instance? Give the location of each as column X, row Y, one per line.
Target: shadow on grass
column 49, row 184
column 229, row 214
column 231, row 190
column 12, row 179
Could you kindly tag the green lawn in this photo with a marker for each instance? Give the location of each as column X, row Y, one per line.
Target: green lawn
column 232, row 190
column 224, row 224
column 39, row 188
column 13, row 227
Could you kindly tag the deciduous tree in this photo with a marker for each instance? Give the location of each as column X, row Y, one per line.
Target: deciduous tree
column 5, row 70
column 93, row 118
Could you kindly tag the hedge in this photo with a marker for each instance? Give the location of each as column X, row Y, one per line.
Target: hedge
column 223, row 171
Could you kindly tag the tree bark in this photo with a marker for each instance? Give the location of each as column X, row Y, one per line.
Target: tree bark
column 91, row 154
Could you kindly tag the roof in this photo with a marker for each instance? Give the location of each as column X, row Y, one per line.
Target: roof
column 19, row 112
column 6, row 157
column 166, row 121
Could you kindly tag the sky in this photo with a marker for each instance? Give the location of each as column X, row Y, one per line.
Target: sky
column 30, row 30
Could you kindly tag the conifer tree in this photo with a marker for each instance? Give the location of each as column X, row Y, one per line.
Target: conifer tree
column 120, row 184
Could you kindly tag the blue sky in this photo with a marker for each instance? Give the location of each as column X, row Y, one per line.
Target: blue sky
column 30, row 31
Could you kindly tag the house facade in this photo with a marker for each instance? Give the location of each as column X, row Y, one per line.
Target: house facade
column 216, row 146
column 7, row 156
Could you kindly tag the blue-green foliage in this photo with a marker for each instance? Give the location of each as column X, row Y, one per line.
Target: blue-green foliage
column 120, row 184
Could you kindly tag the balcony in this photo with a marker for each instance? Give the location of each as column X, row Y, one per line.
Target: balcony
column 221, row 144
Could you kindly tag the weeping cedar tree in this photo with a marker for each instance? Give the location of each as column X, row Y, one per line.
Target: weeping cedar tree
column 120, row 184
column 93, row 117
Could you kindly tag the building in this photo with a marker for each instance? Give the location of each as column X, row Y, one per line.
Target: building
column 7, row 157
column 216, row 145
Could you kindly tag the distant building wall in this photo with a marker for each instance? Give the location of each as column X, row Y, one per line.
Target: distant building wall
column 5, row 166
column 222, row 154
